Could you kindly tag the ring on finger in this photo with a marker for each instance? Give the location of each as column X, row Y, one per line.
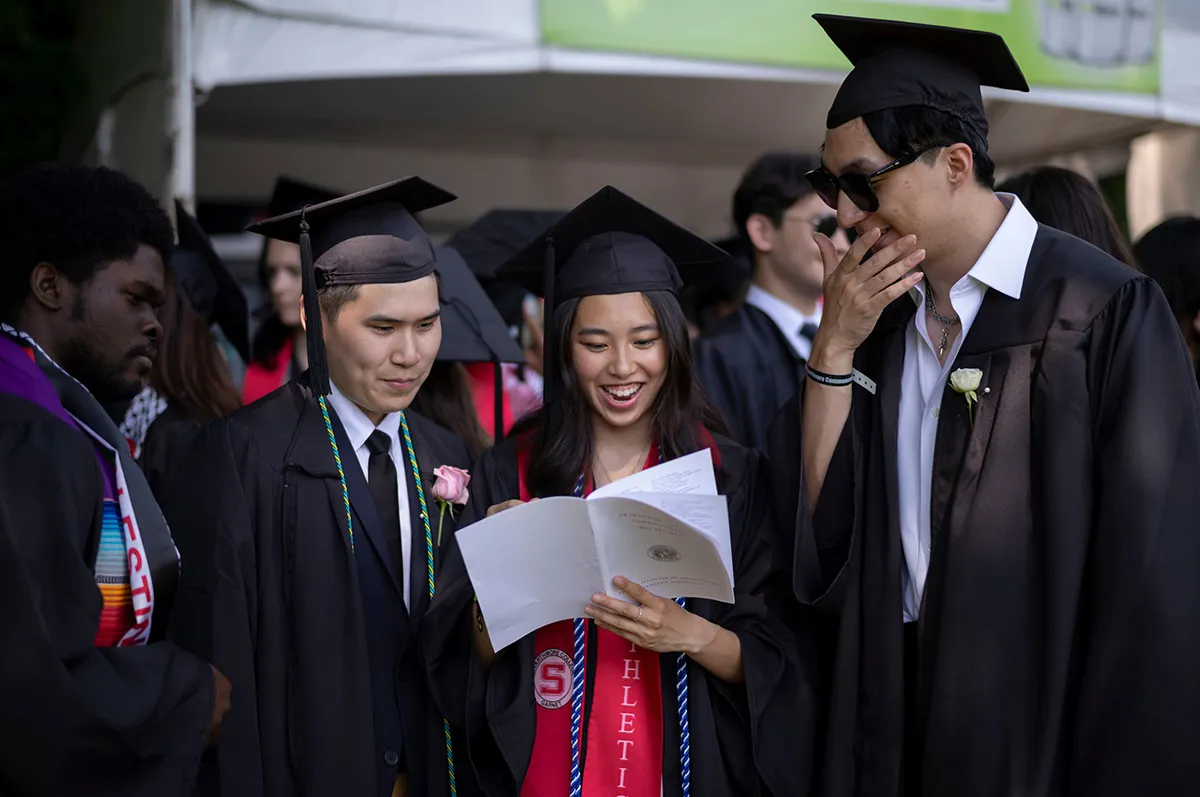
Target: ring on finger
column 640, row 610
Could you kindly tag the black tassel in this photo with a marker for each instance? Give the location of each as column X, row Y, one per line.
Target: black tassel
column 498, row 434
column 549, row 369
column 318, row 368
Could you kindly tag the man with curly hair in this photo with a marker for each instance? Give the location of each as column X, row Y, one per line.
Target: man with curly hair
column 94, row 701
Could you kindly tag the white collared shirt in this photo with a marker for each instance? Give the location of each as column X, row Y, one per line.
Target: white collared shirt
column 1001, row 267
column 358, row 428
column 787, row 318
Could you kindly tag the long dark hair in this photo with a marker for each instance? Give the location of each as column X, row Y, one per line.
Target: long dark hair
column 446, row 399
column 1169, row 255
column 189, row 371
column 681, row 410
column 1068, row 201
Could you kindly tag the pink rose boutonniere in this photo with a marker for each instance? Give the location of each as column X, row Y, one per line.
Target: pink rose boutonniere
column 450, row 490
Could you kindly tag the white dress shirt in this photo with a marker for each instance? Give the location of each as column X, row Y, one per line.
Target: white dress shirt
column 358, row 428
column 1001, row 267
column 787, row 318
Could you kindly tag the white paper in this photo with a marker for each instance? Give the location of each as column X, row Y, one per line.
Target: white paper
column 665, row 528
column 690, row 474
column 647, row 542
column 547, row 543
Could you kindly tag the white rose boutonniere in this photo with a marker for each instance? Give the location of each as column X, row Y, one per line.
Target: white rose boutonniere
column 965, row 381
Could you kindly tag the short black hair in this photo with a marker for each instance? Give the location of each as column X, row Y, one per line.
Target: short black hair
column 78, row 219
column 334, row 297
column 1068, row 201
column 900, row 131
column 1167, row 254
column 771, row 185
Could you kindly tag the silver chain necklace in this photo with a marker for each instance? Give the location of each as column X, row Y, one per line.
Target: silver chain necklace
column 945, row 321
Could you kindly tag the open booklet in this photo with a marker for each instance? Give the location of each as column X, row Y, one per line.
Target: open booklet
column 665, row 528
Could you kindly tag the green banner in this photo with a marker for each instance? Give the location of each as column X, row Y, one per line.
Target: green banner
column 1111, row 45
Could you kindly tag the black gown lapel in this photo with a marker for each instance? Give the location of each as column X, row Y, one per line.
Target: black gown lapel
column 312, row 453
column 418, row 582
column 962, row 442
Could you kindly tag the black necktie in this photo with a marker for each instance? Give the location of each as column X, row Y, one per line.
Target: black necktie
column 809, row 330
column 381, row 475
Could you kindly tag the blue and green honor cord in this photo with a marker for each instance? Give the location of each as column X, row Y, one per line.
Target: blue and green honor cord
column 416, row 472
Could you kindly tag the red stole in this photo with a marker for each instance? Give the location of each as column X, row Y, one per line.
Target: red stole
column 625, row 721
column 261, row 380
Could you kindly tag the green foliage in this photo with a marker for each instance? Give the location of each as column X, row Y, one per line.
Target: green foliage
column 41, row 82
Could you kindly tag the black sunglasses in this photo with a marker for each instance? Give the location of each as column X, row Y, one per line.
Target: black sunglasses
column 859, row 187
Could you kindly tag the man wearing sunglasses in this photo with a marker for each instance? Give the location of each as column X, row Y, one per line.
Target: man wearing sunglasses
column 752, row 361
column 991, row 472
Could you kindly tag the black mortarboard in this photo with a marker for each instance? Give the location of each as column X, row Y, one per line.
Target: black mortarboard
column 492, row 239
column 368, row 237
column 499, row 234
column 906, row 63
column 472, row 329
column 291, row 194
column 208, row 285
column 608, row 244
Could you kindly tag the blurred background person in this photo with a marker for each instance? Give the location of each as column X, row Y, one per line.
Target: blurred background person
column 715, row 294
column 446, row 399
column 1170, row 254
column 278, row 352
column 484, row 245
column 1068, row 201
column 752, row 361
column 190, row 381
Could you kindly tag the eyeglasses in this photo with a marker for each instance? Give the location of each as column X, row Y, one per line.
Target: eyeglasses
column 826, row 224
column 859, row 187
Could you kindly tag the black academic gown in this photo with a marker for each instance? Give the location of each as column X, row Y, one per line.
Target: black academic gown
column 313, row 635
column 741, row 735
column 168, row 442
column 82, row 720
column 749, row 370
column 1059, row 635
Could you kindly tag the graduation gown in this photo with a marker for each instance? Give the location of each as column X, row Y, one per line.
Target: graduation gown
column 312, row 634
column 749, row 370
column 168, row 443
column 82, row 720
column 1058, row 650
column 740, row 733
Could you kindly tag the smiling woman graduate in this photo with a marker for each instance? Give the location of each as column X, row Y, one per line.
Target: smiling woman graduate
column 646, row 697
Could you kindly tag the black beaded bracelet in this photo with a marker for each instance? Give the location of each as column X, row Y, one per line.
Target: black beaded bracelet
column 831, row 380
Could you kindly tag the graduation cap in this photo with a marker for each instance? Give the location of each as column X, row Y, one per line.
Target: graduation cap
column 492, row 239
column 368, row 237
column 208, row 285
column 609, row 244
column 472, row 328
column 291, row 194
column 499, row 234
column 906, row 63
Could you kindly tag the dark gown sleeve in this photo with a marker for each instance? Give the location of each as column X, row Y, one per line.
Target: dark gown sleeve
column 81, row 719
column 817, row 544
column 773, row 712
column 456, row 679
column 722, row 384
column 209, row 509
column 1135, row 728
column 168, row 441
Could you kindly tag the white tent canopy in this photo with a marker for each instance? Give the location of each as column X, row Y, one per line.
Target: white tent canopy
column 467, row 90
